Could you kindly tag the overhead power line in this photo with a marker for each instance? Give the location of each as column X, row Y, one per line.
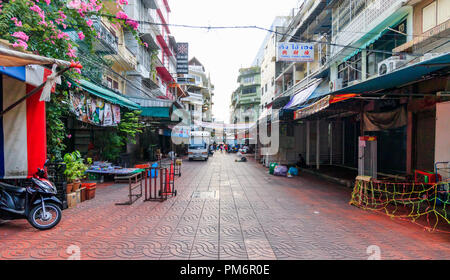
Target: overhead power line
column 276, row 32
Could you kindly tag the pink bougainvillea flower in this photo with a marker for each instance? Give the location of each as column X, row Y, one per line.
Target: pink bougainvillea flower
column 145, row 44
column 48, row 2
column 121, row 15
column 35, row 8
column 121, row 2
column 17, row 22
column 74, row 4
column 89, row 22
column 81, row 35
column 62, row 15
column 134, row 24
column 20, row 43
column 21, row 35
column 69, row 84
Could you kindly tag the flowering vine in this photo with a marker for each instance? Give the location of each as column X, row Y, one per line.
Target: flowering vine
column 62, row 29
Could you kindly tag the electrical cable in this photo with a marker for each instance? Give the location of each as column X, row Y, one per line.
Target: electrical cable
column 271, row 31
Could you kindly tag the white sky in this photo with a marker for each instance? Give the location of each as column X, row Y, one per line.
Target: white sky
column 223, row 52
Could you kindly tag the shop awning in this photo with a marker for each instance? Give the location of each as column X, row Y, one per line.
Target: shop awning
column 156, row 112
column 108, row 95
column 406, row 75
column 301, row 96
column 313, row 108
column 12, row 58
column 164, row 73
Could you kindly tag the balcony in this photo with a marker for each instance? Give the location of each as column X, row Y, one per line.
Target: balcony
column 108, row 42
column 150, row 4
column 434, row 34
column 356, row 30
column 124, row 60
column 148, row 32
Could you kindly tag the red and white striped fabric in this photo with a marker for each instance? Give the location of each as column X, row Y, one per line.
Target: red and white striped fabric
column 23, row 143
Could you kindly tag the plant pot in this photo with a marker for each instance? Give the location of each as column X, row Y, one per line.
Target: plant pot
column 76, row 186
column 69, row 188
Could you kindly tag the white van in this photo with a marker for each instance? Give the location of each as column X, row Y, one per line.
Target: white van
column 199, row 145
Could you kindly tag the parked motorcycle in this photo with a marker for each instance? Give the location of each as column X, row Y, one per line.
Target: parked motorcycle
column 35, row 202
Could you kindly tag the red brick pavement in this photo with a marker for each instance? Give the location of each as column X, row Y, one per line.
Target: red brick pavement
column 238, row 211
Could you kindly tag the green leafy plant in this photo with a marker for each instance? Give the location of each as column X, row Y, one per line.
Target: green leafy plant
column 61, row 29
column 111, row 146
column 75, row 166
column 130, row 126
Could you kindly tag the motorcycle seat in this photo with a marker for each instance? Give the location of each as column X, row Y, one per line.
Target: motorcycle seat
column 12, row 188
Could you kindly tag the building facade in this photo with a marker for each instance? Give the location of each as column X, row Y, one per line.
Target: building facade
column 373, row 60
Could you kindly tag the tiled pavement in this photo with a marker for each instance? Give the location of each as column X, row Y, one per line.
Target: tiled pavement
column 238, row 212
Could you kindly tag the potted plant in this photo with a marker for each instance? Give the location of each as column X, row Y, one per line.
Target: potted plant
column 75, row 170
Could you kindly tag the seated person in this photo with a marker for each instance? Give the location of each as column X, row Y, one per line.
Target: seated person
column 301, row 161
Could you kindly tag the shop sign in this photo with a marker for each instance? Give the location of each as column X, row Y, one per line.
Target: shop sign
column 313, row 108
column 295, row 52
column 182, row 58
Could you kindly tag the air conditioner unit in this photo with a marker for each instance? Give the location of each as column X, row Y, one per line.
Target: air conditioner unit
column 335, row 85
column 391, row 64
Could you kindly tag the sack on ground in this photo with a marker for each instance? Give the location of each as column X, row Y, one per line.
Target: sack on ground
column 293, row 171
column 280, row 170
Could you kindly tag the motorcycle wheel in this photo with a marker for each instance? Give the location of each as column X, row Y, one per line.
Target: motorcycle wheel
column 43, row 223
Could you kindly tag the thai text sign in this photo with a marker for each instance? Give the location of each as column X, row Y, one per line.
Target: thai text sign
column 182, row 58
column 295, row 52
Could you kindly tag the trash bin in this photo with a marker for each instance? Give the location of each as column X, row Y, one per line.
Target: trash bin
column 272, row 167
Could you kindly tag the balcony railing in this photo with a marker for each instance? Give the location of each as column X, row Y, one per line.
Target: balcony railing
column 108, row 41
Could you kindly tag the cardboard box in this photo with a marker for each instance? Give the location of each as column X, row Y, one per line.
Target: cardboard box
column 71, row 200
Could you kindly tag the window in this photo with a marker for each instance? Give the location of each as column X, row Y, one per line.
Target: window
column 350, row 70
column 249, row 80
column 387, row 43
column 429, row 17
column 443, row 11
column 249, row 90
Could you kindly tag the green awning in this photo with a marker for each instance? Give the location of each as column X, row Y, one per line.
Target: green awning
column 368, row 40
column 108, row 95
column 156, row 112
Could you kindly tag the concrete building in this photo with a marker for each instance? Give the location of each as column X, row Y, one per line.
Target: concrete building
column 246, row 99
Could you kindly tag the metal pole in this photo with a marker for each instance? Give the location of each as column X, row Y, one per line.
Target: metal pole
column 308, row 139
column 318, row 145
